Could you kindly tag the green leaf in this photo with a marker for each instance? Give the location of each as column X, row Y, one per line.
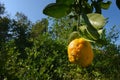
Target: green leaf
column 56, row 10
column 87, row 8
column 90, row 29
column 84, row 33
column 100, row 31
column 96, row 20
column 105, row 5
column 73, row 36
column 93, row 32
column 118, row 3
column 67, row 2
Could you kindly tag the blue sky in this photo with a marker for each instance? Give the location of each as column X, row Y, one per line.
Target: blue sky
column 33, row 10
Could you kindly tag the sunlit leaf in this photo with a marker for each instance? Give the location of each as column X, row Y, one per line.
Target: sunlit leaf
column 105, row 5
column 100, row 31
column 90, row 28
column 56, row 10
column 96, row 20
column 84, row 33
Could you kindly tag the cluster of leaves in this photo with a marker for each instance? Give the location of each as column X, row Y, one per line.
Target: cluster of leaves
column 63, row 8
column 87, row 13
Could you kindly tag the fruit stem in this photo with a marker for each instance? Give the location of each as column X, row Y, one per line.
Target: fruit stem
column 89, row 40
column 79, row 13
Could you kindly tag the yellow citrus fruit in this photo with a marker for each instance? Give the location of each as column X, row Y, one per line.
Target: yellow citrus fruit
column 80, row 52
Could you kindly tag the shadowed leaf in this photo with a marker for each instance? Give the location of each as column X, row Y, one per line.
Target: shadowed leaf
column 56, row 10
column 118, row 3
column 106, row 5
column 67, row 2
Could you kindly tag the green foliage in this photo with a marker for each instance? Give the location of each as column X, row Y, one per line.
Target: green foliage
column 61, row 28
column 56, row 10
column 4, row 29
column 93, row 21
column 108, row 61
column 39, row 27
column 46, row 57
column 47, row 60
column 90, row 29
column 36, row 52
column 96, row 20
column 84, row 33
column 62, row 8
column 92, row 26
column 59, row 9
column 73, row 36
column 42, row 61
column 118, row 3
column 105, row 5
column 66, row 2
column 21, row 33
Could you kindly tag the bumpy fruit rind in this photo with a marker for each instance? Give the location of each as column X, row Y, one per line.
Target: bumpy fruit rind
column 80, row 52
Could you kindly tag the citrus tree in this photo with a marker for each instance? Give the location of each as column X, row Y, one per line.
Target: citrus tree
column 87, row 13
column 35, row 51
column 88, row 18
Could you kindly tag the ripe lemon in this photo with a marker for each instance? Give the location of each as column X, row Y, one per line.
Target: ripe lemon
column 80, row 52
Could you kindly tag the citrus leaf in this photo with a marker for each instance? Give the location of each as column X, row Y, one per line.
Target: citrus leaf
column 100, row 31
column 84, row 33
column 96, row 20
column 56, row 10
column 73, row 36
column 93, row 33
column 118, row 3
column 87, row 8
column 106, row 5
column 67, row 2
column 90, row 29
